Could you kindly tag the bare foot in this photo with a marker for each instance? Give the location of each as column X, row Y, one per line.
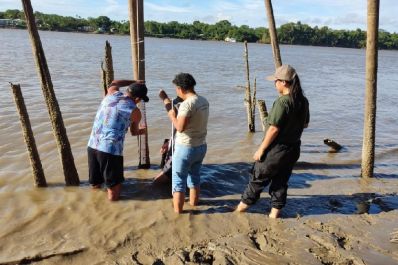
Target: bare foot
column 274, row 213
column 114, row 192
column 242, row 207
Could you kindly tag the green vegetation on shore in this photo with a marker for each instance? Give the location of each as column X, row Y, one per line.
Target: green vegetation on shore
column 290, row 33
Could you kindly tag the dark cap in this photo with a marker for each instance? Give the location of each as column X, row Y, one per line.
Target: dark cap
column 138, row 90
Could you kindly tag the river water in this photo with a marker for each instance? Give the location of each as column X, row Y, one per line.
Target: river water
column 333, row 80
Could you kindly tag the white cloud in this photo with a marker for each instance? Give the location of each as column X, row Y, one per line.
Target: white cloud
column 167, row 8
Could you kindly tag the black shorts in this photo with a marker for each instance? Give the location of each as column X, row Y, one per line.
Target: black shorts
column 104, row 167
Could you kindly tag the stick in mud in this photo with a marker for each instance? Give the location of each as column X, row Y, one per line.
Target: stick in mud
column 35, row 162
column 248, row 97
column 254, row 100
column 262, row 108
column 64, row 149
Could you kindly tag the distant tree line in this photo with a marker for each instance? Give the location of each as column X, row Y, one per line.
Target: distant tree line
column 290, row 33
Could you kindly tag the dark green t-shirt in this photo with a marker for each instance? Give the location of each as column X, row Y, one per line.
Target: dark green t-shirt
column 289, row 119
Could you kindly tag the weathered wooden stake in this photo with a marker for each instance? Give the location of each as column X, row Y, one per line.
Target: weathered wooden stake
column 68, row 164
column 107, row 74
column 103, row 79
column 35, row 162
column 254, row 100
column 248, row 97
column 108, row 64
column 136, row 16
column 273, row 35
column 369, row 130
column 262, row 108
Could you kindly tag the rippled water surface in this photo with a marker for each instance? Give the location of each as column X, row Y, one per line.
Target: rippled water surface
column 333, row 80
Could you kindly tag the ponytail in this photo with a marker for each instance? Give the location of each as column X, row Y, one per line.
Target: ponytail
column 296, row 92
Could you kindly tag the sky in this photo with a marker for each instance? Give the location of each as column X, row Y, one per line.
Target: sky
column 336, row 14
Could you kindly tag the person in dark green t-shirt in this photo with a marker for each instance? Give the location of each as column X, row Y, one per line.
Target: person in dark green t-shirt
column 280, row 148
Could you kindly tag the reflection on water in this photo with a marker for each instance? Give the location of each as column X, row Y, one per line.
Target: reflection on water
column 333, row 80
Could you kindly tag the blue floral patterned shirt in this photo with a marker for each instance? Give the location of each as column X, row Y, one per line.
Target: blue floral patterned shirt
column 111, row 124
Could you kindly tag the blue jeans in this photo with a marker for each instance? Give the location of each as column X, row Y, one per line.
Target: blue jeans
column 187, row 161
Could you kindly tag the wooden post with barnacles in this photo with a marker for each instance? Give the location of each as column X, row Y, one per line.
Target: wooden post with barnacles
column 64, row 149
column 107, row 72
column 248, row 96
column 369, row 130
column 136, row 16
column 273, row 35
column 262, row 108
column 35, row 162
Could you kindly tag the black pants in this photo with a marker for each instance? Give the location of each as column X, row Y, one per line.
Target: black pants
column 275, row 168
column 104, row 167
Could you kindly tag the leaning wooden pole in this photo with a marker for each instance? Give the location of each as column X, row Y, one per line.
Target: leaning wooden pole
column 136, row 15
column 369, row 130
column 64, row 149
column 248, row 97
column 37, row 169
column 272, row 32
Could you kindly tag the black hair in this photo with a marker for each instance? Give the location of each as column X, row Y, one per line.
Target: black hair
column 185, row 81
column 296, row 93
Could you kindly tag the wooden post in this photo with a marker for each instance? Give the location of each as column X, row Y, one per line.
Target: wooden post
column 68, row 164
column 107, row 73
column 35, row 162
column 273, row 35
column 254, row 100
column 136, row 15
column 369, row 130
column 133, row 36
column 248, row 97
column 103, row 79
column 262, row 108
column 108, row 64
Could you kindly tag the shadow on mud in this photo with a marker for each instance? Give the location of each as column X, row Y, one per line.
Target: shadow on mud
column 226, row 180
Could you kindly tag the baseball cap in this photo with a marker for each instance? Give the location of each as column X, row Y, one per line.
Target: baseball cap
column 284, row 72
column 138, row 90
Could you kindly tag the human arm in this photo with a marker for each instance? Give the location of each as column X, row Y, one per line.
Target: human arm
column 270, row 136
column 135, row 121
column 165, row 146
column 179, row 123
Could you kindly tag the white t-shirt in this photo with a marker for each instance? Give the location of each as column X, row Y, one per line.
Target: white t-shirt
column 196, row 109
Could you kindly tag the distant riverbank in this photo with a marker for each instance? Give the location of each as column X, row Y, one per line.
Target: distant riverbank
column 293, row 33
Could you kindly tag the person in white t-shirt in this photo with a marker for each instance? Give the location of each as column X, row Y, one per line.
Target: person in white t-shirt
column 190, row 143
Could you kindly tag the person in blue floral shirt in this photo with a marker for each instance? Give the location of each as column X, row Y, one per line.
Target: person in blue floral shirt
column 117, row 112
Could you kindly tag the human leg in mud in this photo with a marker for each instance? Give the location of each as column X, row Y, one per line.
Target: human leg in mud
column 187, row 162
column 274, row 169
column 108, row 169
